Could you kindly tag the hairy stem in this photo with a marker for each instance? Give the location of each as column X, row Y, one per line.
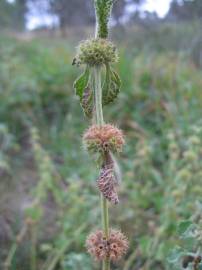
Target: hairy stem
column 98, row 96
column 101, row 32
column 105, row 216
column 100, row 122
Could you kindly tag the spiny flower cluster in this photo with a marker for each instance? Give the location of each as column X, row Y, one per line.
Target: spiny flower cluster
column 101, row 248
column 103, row 139
column 96, row 52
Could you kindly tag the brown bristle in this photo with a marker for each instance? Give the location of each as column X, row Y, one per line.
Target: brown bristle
column 103, row 138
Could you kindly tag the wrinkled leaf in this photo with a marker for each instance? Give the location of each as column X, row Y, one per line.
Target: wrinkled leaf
column 111, row 87
column 82, row 82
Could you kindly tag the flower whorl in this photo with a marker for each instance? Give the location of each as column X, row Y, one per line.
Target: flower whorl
column 101, row 248
column 103, row 139
column 96, row 52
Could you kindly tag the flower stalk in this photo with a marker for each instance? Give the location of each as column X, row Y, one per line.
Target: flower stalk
column 102, row 140
column 100, row 121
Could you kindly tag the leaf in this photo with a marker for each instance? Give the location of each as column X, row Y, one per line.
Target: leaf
column 184, row 226
column 84, row 92
column 87, row 102
column 111, row 87
column 106, row 85
column 81, row 83
column 187, row 230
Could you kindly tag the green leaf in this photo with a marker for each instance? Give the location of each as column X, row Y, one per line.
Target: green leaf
column 82, row 82
column 187, row 230
column 84, row 92
column 184, row 226
column 106, row 85
column 111, row 87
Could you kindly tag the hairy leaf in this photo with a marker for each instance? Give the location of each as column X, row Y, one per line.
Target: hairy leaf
column 111, row 87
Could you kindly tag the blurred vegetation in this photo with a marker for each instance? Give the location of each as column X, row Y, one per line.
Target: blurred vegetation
column 48, row 197
column 12, row 14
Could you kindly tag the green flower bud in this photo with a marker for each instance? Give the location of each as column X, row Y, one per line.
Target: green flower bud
column 96, row 52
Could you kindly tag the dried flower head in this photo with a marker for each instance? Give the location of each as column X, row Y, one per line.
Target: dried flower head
column 101, row 248
column 96, row 245
column 118, row 245
column 107, row 181
column 103, row 139
column 95, row 52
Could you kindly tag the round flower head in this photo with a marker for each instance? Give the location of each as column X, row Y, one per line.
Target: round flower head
column 118, row 245
column 101, row 248
column 96, row 245
column 103, row 139
column 95, row 52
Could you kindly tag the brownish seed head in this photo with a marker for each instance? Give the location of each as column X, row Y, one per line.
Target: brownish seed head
column 101, row 248
column 103, row 139
column 118, row 245
column 96, row 245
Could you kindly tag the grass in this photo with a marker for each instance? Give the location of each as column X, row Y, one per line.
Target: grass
column 159, row 110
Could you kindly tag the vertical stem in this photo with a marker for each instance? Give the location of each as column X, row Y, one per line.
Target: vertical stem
column 100, row 122
column 105, row 216
column 98, row 96
column 105, row 221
